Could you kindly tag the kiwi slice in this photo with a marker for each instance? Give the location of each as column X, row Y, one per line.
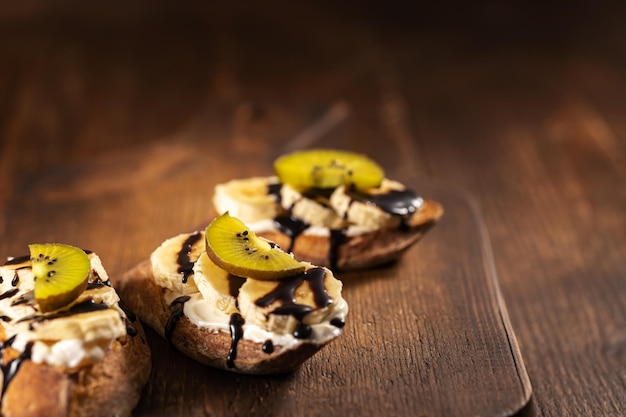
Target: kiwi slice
column 236, row 249
column 61, row 273
column 328, row 168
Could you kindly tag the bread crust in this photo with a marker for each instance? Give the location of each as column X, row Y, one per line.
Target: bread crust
column 110, row 387
column 145, row 297
column 362, row 251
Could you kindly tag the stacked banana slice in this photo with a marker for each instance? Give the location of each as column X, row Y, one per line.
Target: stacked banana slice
column 293, row 304
column 73, row 336
column 255, row 203
column 264, row 310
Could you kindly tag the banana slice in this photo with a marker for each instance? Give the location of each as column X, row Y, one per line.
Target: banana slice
column 172, row 262
column 291, row 305
column 216, row 285
column 100, row 295
column 92, row 326
column 247, row 199
column 364, row 212
column 315, row 212
column 97, row 269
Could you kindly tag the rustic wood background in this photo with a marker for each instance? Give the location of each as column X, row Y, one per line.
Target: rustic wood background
column 117, row 119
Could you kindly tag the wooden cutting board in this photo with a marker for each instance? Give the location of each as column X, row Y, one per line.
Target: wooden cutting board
column 426, row 336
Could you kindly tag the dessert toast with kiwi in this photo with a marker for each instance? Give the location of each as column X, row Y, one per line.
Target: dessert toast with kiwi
column 332, row 208
column 233, row 300
column 69, row 347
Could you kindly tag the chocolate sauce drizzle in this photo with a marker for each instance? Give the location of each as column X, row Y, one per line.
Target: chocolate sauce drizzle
column 320, row 195
column 25, row 298
column 17, row 260
column 8, row 294
column 15, row 280
column 285, row 291
column 16, row 276
column 130, row 318
column 337, row 237
column 401, row 203
column 130, row 330
column 236, row 333
column 97, row 283
column 292, row 227
column 185, row 264
column 395, row 202
column 176, row 312
column 9, row 370
column 274, row 190
column 87, row 306
column 234, row 284
column 268, row 346
column 338, row 322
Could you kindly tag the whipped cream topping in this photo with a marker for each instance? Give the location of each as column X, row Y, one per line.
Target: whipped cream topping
column 76, row 335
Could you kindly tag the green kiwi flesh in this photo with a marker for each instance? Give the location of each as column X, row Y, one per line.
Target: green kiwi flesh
column 236, row 249
column 61, row 273
column 328, row 168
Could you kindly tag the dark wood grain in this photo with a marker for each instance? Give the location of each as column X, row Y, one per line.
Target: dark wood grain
column 117, row 120
column 429, row 333
column 425, row 334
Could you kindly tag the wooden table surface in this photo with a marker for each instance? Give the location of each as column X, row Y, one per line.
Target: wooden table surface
column 116, row 120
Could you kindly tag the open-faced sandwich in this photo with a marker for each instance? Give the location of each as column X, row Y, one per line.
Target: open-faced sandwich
column 232, row 300
column 331, row 208
column 69, row 347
